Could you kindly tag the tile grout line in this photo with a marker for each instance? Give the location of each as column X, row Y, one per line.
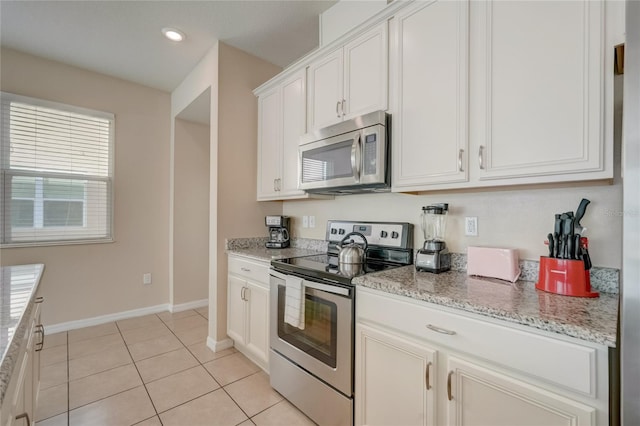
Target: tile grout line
column 138, row 371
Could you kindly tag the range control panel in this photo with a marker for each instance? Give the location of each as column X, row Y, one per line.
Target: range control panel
column 385, row 234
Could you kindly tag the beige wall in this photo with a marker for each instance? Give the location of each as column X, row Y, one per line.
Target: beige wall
column 85, row 281
column 191, row 212
column 239, row 214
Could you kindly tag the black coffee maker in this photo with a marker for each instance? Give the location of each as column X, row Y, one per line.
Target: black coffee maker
column 278, row 231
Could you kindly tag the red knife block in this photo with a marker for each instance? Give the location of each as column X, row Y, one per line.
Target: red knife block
column 564, row 276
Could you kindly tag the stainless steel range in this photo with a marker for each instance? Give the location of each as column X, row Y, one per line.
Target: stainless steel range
column 312, row 306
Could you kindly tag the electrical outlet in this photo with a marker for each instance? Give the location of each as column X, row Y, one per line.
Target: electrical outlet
column 471, row 226
column 312, row 221
column 146, row 278
column 305, row 221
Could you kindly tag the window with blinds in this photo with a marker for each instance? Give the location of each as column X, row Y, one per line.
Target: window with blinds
column 57, row 172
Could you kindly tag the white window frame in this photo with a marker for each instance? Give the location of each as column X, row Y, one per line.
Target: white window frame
column 47, row 235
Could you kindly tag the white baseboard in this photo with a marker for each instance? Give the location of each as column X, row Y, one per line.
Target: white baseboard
column 102, row 319
column 221, row 345
column 189, row 305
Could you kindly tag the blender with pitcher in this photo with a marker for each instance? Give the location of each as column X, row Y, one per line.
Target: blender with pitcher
column 434, row 255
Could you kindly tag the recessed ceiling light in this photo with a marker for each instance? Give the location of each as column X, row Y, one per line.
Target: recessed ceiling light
column 173, row 34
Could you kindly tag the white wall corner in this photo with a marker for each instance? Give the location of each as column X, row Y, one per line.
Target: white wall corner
column 220, row 345
column 189, row 305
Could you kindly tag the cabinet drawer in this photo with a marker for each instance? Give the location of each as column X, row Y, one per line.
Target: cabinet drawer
column 250, row 269
column 561, row 363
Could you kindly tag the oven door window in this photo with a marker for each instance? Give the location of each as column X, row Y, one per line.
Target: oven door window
column 319, row 337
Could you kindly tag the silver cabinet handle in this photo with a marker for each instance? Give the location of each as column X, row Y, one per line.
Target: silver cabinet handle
column 460, row 169
column 440, row 330
column 274, row 185
column 426, row 375
column 279, row 184
column 40, row 329
column 39, row 299
column 449, row 395
column 24, row 416
column 243, row 269
column 337, row 106
column 481, row 157
column 343, row 102
column 242, row 293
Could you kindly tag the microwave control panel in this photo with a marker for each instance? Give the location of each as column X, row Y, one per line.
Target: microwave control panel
column 387, row 234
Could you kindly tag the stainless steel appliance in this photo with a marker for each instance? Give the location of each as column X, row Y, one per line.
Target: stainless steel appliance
column 434, row 256
column 312, row 364
column 278, row 231
column 630, row 290
column 348, row 157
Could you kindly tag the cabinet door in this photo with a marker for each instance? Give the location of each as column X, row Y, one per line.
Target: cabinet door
column 325, row 91
column 479, row 396
column 366, row 62
column 258, row 320
column 236, row 314
column 293, row 126
column 430, row 95
column 540, row 67
column 269, row 145
column 395, row 379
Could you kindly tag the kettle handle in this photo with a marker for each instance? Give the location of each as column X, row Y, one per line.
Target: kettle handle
column 359, row 235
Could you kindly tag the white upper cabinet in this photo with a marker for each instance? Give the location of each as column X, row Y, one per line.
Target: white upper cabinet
column 539, row 67
column 282, row 116
column 269, row 143
column 430, row 96
column 350, row 81
column 490, row 93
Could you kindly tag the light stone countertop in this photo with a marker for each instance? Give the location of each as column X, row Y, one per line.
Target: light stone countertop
column 589, row 319
column 18, row 286
column 254, row 248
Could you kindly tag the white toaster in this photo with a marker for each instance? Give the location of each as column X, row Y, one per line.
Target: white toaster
column 502, row 263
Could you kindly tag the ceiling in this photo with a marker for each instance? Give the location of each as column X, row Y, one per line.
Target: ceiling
column 123, row 38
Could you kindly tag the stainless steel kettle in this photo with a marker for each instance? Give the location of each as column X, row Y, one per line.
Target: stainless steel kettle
column 352, row 253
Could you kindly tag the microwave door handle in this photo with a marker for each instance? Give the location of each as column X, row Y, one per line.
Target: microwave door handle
column 356, row 157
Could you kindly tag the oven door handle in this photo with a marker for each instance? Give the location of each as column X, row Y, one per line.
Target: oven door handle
column 318, row 286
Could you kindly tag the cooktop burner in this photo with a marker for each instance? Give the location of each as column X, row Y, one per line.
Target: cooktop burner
column 388, row 245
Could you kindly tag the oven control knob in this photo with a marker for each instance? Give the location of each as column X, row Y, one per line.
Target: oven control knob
column 341, row 232
column 383, row 234
column 334, row 231
column 394, row 234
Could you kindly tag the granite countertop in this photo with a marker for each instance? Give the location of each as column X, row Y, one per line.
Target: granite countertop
column 254, row 248
column 589, row 319
column 18, row 286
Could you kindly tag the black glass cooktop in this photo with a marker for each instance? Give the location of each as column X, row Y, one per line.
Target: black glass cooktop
column 326, row 267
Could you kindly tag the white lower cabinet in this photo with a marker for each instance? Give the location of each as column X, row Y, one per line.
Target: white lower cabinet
column 418, row 364
column 21, row 397
column 394, row 379
column 248, row 308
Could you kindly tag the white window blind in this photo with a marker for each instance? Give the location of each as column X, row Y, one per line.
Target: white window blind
column 57, row 172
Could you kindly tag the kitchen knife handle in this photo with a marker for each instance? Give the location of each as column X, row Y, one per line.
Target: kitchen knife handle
column 551, row 245
column 582, row 208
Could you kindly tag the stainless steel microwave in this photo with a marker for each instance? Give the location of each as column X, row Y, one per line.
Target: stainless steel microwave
column 347, row 158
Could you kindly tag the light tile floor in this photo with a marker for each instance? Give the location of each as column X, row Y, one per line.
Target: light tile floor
column 154, row 370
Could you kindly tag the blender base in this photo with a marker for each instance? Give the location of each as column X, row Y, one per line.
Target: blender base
column 433, row 261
